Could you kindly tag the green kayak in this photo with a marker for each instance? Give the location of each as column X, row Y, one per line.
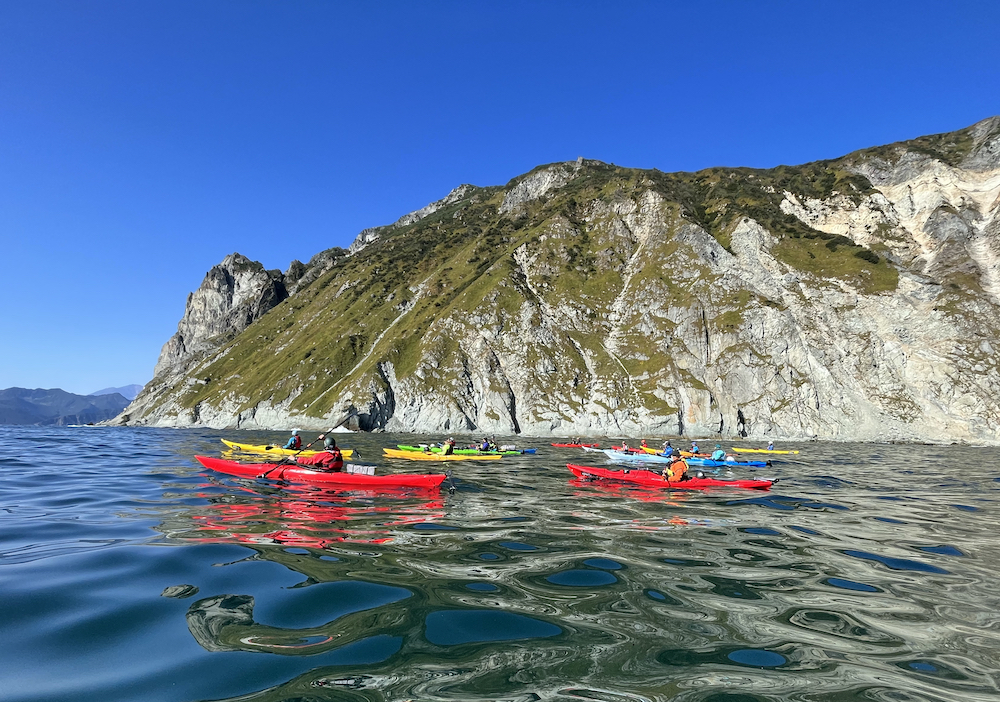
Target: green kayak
column 458, row 451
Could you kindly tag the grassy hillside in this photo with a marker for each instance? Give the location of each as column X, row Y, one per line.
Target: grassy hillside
column 597, row 289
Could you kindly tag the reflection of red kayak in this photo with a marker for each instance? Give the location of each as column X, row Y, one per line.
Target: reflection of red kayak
column 648, row 478
column 309, row 517
column 576, row 445
column 301, row 474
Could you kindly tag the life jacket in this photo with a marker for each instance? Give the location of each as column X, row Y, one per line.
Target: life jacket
column 296, row 442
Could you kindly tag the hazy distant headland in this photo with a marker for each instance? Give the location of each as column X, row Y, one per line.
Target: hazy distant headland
column 58, row 407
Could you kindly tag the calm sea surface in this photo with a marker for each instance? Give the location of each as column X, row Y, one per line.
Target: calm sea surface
column 128, row 572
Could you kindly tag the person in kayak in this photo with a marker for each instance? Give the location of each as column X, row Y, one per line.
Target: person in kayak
column 667, row 448
column 485, row 445
column 718, row 454
column 770, row 445
column 330, row 460
column 294, row 441
column 694, row 447
column 675, row 471
column 448, row 448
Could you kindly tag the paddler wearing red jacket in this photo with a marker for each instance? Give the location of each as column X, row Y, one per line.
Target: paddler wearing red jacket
column 330, row 460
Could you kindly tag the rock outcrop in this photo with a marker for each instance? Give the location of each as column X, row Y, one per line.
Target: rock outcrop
column 233, row 295
column 854, row 299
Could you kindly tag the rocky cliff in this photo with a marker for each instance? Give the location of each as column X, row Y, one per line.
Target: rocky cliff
column 857, row 298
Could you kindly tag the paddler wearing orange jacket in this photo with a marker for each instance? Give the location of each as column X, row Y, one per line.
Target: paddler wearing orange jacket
column 678, row 466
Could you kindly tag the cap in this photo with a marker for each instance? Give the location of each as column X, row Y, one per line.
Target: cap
column 296, row 431
column 718, row 446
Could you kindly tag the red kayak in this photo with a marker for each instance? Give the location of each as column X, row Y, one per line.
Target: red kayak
column 576, row 445
column 648, row 478
column 294, row 473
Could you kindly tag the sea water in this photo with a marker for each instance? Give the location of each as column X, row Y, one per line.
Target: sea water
column 128, row 572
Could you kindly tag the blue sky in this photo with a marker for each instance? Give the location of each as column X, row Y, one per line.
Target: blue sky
column 141, row 142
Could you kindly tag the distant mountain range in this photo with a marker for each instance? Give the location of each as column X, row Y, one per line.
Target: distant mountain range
column 56, row 407
column 127, row 391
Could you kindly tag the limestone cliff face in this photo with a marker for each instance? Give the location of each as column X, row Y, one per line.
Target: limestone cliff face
column 855, row 299
column 234, row 294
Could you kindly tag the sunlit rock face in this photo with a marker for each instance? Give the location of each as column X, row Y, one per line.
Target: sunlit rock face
column 853, row 299
column 233, row 295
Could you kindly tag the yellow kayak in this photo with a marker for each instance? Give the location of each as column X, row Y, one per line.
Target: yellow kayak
column 271, row 450
column 749, row 450
column 421, row 456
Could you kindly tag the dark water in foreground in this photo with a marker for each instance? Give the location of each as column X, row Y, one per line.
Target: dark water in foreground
column 127, row 572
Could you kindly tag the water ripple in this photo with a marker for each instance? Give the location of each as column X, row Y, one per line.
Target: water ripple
column 132, row 568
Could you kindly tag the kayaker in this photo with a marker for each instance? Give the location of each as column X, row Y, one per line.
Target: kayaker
column 694, row 447
column 448, row 448
column 643, row 443
column 485, row 446
column 718, row 454
column 294, row 441
column 667, row 449
column 331, row 460
column 675, row 471
column 770, row 445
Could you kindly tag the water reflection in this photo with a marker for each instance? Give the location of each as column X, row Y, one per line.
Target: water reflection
column 308, row 517
column 226, row 622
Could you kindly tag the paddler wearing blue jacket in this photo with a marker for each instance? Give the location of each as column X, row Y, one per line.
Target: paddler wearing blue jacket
column 718, row 454
column 294, row 441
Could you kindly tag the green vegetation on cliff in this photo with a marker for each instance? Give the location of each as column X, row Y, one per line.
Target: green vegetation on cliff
column 589, row 282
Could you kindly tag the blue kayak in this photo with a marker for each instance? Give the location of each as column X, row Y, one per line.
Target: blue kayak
column 709, row 463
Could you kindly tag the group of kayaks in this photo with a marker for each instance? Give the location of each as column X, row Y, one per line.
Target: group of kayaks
column 287, row 469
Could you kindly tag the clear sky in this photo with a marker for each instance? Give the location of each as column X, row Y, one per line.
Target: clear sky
column 141, row 142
